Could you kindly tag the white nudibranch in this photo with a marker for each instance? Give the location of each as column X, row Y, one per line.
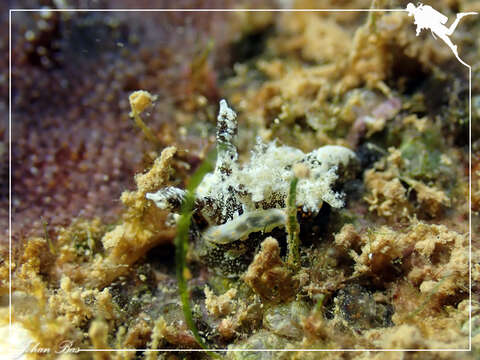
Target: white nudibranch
column 232, row 189
column 236, row 200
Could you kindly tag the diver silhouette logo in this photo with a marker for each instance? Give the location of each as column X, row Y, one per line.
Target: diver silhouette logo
column 426, row 17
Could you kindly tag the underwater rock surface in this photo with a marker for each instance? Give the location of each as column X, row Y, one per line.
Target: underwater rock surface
column 336, row 214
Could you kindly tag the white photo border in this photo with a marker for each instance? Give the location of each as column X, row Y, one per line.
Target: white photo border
column 11, row 11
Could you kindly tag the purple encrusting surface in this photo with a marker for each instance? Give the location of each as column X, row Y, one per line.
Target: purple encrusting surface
column 74, row 148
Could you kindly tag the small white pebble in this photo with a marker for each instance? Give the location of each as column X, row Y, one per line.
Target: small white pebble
column 30, row 35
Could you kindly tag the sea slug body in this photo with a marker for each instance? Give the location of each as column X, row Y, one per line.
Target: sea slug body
column 242, row 226
column 241, row 204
